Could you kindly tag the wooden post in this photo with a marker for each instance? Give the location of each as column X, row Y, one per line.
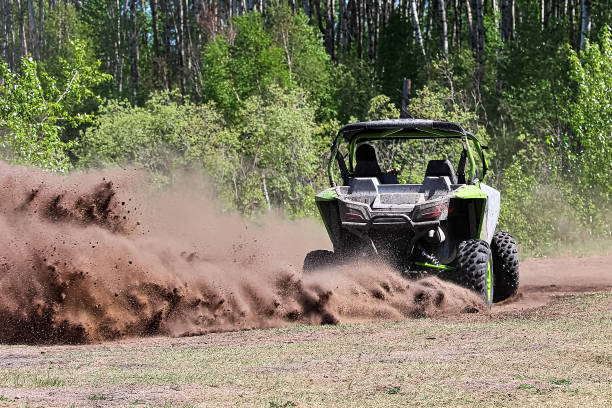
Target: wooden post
column 405, row 113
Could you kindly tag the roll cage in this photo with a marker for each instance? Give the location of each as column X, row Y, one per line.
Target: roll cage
column 399, row 129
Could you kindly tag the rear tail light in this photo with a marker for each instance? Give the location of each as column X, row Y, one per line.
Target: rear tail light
column 430, row 213
column 354, row 217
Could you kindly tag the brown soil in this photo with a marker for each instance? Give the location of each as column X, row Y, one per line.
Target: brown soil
column 89, row 257
column 543, row 279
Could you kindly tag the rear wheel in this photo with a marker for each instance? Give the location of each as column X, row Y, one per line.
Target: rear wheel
column 475, row 268
column 506, row 262
column 317, row 260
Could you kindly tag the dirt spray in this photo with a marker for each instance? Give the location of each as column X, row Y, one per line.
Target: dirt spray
column 98, row 256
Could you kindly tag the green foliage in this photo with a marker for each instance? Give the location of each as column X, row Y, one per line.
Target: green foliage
column 218, row 85
column 279, row 153
column 165, row 136
column 538, row 214
column 588, row 150
column 269, row 98
column 267, row 159
column 236, row 70
column 440, row 104
column 308, row 63
column 382, row 108
column 36, row 109
column 397, row 59
column 355, row 89
column 64, row 26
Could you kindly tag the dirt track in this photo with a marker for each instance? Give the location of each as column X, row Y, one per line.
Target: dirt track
column 546, row 278
column 88, row 260
column 550, row 346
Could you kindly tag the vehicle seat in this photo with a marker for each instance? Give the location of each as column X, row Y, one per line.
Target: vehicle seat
column 441, row 168
column 367, row 164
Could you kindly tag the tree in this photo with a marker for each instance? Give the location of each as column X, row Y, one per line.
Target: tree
column 443, row 27
column 164, row 136
column 234, row 71
column 589, row 152
column 308, row 62
column 279, row 165
column 585, row 22
column 36, row 109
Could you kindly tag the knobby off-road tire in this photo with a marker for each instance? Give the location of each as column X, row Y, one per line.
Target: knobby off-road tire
column 317, row 260
column 475, row 269
column 505, row 266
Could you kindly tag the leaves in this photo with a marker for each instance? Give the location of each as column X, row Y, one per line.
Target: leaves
column 37, row 108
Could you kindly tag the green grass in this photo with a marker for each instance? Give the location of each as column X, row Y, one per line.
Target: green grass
column 558, row 355
column 6, row 399
column 28, row 379
column 97, row 397
column 285, row 404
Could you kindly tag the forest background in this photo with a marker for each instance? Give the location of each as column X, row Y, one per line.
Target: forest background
column 251, row 92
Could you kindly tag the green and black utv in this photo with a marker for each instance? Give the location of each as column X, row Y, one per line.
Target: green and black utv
column 442, row 223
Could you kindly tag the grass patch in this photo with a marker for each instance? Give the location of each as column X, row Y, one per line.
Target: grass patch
column 6, row 399
column 30, row 380
column 284, row 404
column 561, row 381
column 98, row 397
column 560, row 350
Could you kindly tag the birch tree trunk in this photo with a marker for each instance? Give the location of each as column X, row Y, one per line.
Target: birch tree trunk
column 443, row 27
column 371, row 30
column 506, row 20
column 496, row 15
column 117, row 45
column 33, row 36
column 134, row 55
column 22, row 36
column 470, row 25
column 585, row 27
column 41, row 27
column 180, row 46
column 341, row 34
column 155, row 32
column 417, row 26
column 4, row 31
column 329, row 28
column 572, row 22
column 167, row 48
column 480, row 44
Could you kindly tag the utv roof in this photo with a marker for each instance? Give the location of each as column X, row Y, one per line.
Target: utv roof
column 400, row 129
column 417, row 125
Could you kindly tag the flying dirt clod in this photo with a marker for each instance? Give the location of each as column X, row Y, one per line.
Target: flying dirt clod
column 98, row 256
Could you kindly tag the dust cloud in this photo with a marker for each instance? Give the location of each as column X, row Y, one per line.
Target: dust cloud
column 99, row 256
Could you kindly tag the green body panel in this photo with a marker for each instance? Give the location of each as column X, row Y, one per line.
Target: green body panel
column 327, row 195
column 441, row 267
column 472, row 192
column 489, row 282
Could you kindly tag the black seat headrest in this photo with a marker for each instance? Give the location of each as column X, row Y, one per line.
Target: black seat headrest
column 365, row 152
column 441, row 168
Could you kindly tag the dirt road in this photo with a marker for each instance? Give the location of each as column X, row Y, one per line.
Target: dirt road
column 545, row 278
column 549, row 346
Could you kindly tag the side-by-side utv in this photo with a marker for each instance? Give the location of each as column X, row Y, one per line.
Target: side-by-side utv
column 443, row 224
